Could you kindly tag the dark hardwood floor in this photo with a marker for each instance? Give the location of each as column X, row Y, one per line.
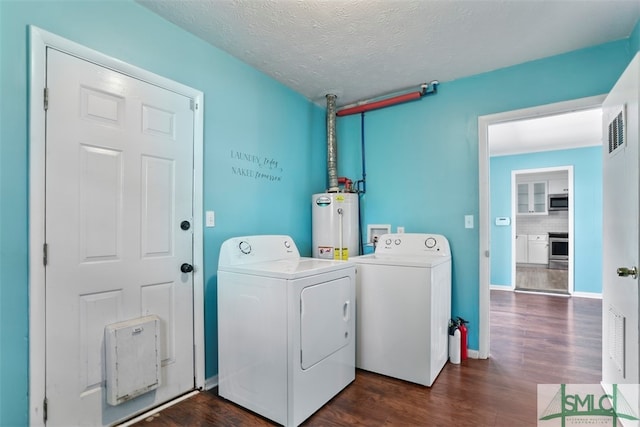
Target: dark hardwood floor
column 535, row 339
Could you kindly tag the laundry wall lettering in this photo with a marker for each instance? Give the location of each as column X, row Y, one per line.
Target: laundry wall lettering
column 256, row 167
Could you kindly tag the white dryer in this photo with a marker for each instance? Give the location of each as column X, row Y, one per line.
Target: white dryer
column 286, row 327
column 404, row 305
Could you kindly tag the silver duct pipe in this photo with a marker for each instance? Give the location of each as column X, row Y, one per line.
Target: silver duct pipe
column 332, row 144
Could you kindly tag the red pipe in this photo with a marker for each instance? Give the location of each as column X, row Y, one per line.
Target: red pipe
column 379, row 104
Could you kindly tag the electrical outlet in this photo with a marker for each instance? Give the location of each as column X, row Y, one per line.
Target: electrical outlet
column 400, row 229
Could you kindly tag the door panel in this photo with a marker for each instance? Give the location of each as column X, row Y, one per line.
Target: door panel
column 119, row 167
column 621, row 194
column 100, row 211
column 157, row 200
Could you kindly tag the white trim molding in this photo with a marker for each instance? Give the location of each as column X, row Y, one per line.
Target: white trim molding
column 211, row 382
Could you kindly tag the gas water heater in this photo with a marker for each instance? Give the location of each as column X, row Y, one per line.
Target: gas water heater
column 334, row 217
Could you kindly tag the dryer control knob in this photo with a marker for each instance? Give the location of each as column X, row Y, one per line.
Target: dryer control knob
column 287, row 244
column 388, row 241
column 430, row 242
column 245, row 247
column 398, row 241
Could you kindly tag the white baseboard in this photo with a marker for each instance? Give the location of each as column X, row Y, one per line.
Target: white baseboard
column 473, row 354
column 211, row 382
column 593, row 295
column 500, row 288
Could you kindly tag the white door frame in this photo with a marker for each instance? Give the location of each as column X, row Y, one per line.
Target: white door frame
column 484, row 219
column 39, row 41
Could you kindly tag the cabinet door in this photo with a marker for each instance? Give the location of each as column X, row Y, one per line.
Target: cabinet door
column 538, row 197
column 521, row 248
column 558, row 186
column 532, row 198
column 538, row 249
column 523, row 198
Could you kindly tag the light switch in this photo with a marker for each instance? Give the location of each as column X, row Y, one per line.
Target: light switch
column 468, row 221
column 210, row 219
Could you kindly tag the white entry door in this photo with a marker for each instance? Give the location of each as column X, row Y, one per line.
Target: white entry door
column 621, row 259
column 119, row 176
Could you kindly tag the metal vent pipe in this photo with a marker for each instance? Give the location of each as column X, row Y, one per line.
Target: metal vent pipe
column 332, row 144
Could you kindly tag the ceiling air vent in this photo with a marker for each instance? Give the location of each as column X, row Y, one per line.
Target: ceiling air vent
column 616, row 132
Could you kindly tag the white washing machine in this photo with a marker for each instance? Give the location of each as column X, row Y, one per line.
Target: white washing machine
column 403, row 291
column 286, row 327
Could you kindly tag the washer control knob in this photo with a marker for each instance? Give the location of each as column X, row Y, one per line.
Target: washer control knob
column 430, row 242
column 398, row 241
column 388, row 241
column 245, row 247
column 287, row 244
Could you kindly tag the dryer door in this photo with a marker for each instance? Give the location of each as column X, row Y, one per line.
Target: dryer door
column 326, row 309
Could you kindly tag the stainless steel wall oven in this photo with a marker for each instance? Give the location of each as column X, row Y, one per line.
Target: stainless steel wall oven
column 559, row 251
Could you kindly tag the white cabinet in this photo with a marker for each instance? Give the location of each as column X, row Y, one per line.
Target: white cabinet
column 521, row 248
column 558, row 186
column 532, row 198
column 537, row 249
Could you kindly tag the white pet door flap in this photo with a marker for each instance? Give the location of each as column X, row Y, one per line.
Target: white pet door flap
column 132, row 358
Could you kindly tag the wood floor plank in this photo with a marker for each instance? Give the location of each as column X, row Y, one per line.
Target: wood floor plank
column 535, row 339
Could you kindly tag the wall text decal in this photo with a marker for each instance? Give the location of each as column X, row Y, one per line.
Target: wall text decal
column 256, row 167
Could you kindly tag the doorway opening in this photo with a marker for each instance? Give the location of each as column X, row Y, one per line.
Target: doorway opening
column 492, row 223
column 542, row 233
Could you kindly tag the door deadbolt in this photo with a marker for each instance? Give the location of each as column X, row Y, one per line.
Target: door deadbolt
column 626, row 272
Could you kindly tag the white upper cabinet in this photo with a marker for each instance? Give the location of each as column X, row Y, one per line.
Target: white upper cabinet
column 532, row 198
column 558, row 186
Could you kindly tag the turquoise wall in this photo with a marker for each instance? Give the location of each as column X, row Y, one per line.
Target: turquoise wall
column 245, row 111
column 587, row 180
column 422, row 158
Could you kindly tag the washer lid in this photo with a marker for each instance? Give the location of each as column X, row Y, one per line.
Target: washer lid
column 289, row 268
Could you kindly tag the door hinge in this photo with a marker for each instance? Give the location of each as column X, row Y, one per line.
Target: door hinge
column 46, row 98
column 45, row 408
column 193, row 105
column 45, row 254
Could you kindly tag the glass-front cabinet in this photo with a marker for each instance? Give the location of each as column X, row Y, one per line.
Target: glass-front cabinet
column 532, row 198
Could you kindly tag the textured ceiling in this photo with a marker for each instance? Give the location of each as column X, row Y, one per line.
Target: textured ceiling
column 362, row 49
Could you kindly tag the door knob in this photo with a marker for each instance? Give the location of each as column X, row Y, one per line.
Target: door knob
column 185, row 225
column 186, row 268
column 626, row 272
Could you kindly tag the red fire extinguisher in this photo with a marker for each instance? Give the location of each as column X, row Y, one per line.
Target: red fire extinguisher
column 463, row 338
